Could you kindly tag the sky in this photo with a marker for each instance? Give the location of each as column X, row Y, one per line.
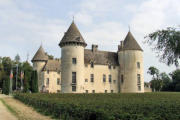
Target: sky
column 26, row 24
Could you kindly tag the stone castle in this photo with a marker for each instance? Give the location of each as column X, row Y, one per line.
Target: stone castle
column 83, row 70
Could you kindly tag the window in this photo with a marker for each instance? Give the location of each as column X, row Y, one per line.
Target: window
column 47, row 81
column 139, row 88
column 73, row 60
column 86, row 65
column 58, row 91
column 86, row 80
column 92, row 77
column 47, row 71
column 74, row 88
column 58, row 81
column 73, row 77
column 112, row 91
column 114, row 81
column 114, row 67
column 110, row 78
column 86, row 91
column 92, row 65
column 93, row 91
column 105, row 91
column 138, row 79
column 138, row 65
column 109, row 66
column 104, row 78
column 122, row 79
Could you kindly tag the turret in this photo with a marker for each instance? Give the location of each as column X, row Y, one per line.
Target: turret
column 130, row 56
column 72, row 60
column 39, row 60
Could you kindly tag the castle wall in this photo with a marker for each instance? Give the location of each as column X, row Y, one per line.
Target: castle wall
column 98, row 85
column 128, row 68
column 53, row 86
column 69, row 52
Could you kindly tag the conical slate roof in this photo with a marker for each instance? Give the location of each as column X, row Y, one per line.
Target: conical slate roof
column 72, row 36
column 130, row 43
column 40, row 55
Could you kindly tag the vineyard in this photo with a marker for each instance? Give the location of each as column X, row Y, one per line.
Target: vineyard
column 147, row 106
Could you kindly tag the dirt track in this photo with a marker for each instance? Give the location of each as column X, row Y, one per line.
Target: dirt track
column 4, row 112
column 23, row 111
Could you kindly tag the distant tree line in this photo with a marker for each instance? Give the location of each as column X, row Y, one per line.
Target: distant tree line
column 21, row 75
column 163, row 81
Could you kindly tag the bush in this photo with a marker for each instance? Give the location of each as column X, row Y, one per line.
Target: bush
column 148, row 106
column 34, row 82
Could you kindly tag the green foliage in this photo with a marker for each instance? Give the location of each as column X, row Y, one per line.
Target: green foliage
column 34, row 82
column 153, row 71
column 148, row 106
column 27, row 68
column 167, row 44
column 6, row 85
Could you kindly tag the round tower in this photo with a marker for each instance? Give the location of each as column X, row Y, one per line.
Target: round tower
column 72, row 60
column 39, row 60
column 131, row 72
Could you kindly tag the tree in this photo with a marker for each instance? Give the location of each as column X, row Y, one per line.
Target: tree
column 153, row 71
column 6, row 85
column 27, row 68
column 34, row 82
column 167, row 44
column 156, row 83
column 166, row 82
column 17, row 58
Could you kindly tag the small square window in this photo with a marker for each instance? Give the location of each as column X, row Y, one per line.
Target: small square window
column 105, row 91
column 93, row 91
column 109, row 66
column 112, row 91
column 86, row 80
column 74, row 60
column 86, row 65
column 47, row 71
column 86, row 91
column 114, row 67
column 74, row 88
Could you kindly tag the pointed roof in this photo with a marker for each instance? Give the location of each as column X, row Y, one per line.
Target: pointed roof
column 130, row 43
column 40, row 55
column 72, row 36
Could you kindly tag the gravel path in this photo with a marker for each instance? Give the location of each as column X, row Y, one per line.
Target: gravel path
column 4, row 113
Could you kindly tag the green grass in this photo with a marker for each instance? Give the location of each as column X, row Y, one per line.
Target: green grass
column 10, row 109
column 144, row 106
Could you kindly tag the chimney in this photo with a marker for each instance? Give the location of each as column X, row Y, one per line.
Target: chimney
column 120, row 47
column 94, row 47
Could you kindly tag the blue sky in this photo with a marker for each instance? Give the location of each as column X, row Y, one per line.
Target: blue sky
column 24, row 24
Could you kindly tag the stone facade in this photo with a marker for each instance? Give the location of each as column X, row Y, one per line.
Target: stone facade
column 83, row 70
